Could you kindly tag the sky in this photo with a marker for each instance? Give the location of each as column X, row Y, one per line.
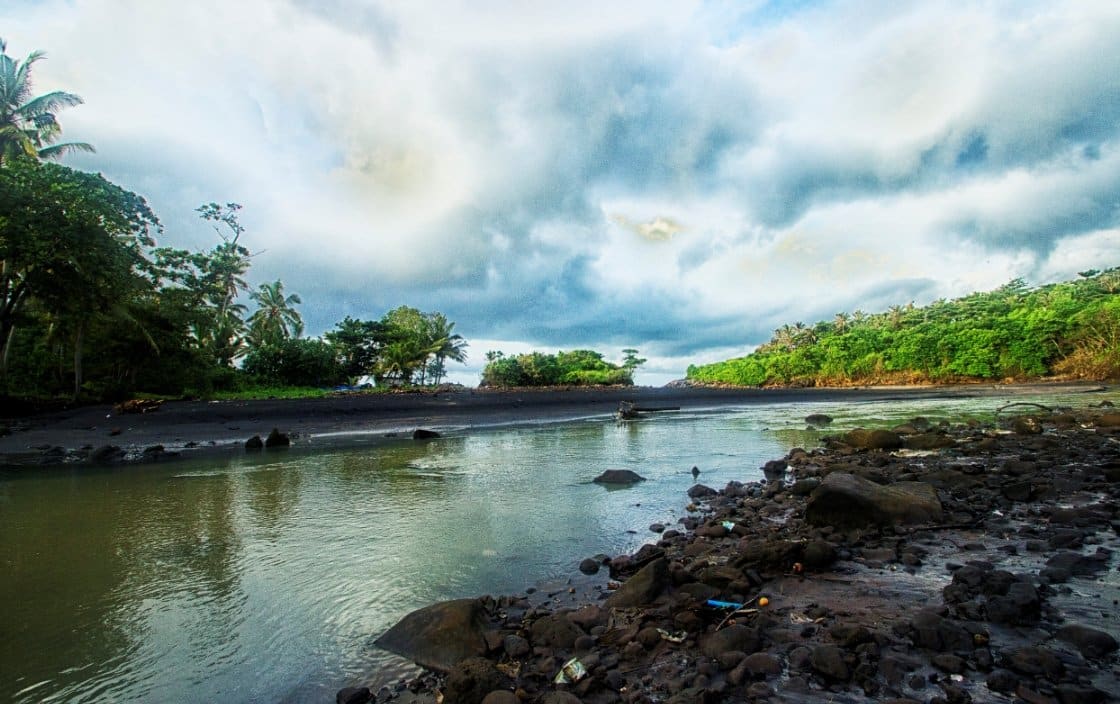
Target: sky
column 679, row 177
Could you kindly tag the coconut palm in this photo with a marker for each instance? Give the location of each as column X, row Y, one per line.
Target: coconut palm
column 28, row 125
column 276, row 318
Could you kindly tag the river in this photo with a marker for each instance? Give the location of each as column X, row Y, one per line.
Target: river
column 264, row 578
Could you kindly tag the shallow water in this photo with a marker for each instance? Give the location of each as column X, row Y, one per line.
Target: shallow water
column 262, row 578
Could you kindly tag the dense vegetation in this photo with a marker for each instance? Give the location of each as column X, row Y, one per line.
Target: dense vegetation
column 91, row 307
column 575, row 368
column 1071, row 329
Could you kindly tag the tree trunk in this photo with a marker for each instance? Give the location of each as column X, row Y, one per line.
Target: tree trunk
column 78, row 341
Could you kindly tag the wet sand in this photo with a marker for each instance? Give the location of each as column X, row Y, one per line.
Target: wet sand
column 194, row 426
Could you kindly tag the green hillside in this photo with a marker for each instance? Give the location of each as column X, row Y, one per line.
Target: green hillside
column 1069, row 329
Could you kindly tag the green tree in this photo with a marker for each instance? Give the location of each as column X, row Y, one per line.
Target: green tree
column 71, row 241
column 276, row 318
column 28, row 126
column 444, row 344
column 358, row 345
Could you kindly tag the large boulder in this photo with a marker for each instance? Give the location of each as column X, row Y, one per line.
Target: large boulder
column 847, row 501
column 440, row 635
column 872, row 439
column 643, row 587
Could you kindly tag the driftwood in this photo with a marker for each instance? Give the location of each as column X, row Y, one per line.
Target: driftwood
column 627, row 410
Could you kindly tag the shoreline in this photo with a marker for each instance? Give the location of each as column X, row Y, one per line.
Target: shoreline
column 190, row 428
column 978, row 564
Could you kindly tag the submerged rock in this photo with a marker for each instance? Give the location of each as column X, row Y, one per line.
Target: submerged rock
column 277, row 439
column 618, row 476
column 423, row 434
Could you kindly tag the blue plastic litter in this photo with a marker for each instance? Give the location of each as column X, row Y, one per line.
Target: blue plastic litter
column 724, row 604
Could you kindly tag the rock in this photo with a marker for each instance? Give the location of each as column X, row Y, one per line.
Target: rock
column 928, row 441
column 1026, row 425
column 554, row 630
column 501, row 696
column 735, row 638
column 947, row 662
column 1020, row 606
column 872, row 439
column 1080, row 565
column 277, row 439
column 589, row 566
column 1003, row 681
column 1075, row 694
column 774, row 469
column 804, row 487
column 818, row 554
column 254, row 443
column 515, row 646
column 423, row 434
column 106, row 454
column 699, row 491
column 472, row 680
column 643, row 587
column 763, row 665
column 818, row 419
column 828, row 660
column 352, row 695
column 846, row 501
column 559, row 697
column 1033, row 660
column 618, row 476
column 440, row 635
column 1091, row 642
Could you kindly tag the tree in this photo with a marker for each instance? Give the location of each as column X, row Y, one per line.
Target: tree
column 275, row 319
column 444, row 345
column 71, row 241
column 28, row 126
column 358, row 344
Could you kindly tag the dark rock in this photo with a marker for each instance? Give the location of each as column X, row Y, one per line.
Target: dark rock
column 352, row 695
column 1026, row 425
column 501, row 696
column 106, row 454
column 699, row 491
column 872, row 439
column 1020, row 606
column 1075, row 694
column 254, row 443
column 828, row 660
column 928, row 441
column 554, row 630
column 440, row 635
column 818, row 554
column 589, row 566
column 846, row 501
column 618, row 476
column 559, row 697
column 1091, row 642
column 643, row 587
column 818, row 419
column 947, row 662
column 763, row 665
column 515, row 646
column 774, row 469
column 1034, row 660
column 277, row 439
column 471, row 680
column 804, row 487
column 1080, row 565
column 732, row 638
column 423, row 434
column 1017, row 491
column 1003, row 681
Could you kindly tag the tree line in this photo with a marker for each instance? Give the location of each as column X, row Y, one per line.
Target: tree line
column 91, row 307
column 574, row 368
column 1069, row 329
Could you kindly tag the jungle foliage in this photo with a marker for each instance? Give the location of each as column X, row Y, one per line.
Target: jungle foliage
column 574, row 368
column 1069, row 329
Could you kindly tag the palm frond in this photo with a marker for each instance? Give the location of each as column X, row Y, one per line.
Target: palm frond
column 57, row 151
column 48, row 103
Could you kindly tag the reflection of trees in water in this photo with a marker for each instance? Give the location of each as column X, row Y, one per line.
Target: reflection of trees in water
column 272, row 495
column 398, row 468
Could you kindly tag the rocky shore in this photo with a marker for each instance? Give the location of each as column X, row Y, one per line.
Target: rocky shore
column 945, row 563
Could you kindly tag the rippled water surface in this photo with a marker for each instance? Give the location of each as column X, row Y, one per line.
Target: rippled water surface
column 265, row 578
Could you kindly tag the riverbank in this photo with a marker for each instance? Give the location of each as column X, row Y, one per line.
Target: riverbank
column 948, row 563
column 188, row 427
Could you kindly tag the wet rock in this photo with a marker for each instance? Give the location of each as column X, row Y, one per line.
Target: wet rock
column 501, row 696
column 643, row 587
column 515, row 646
column 947, row 662
column 1076, row 694
column 558, row 697
column 554, row 630
column 424, row 434
column 106, row 454
column 254, row 443
column 818, row 419
column 1003, row 681
column 1091, row 642
column 762, row 665
column 589, row 566
column 804, row 487
column 774, row 469
column 277, row 439
column 1026, row 425
column 828, row 660
column 735, row 638
column 1034, row 660
column 928, row 441
column 700, row 491
column 872, row 439
column 471, row 680
column 846, row 501
column 1080, row 565
column 619, row 476
column 440, row 635
column 1020, row 606
column 353, row 695
column 818, row 554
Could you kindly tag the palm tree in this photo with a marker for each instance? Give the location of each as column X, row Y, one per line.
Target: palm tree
column 443, row 345
column 276, row 318
column 28, row 125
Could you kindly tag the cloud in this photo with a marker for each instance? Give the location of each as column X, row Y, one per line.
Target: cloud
column 677, row 176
